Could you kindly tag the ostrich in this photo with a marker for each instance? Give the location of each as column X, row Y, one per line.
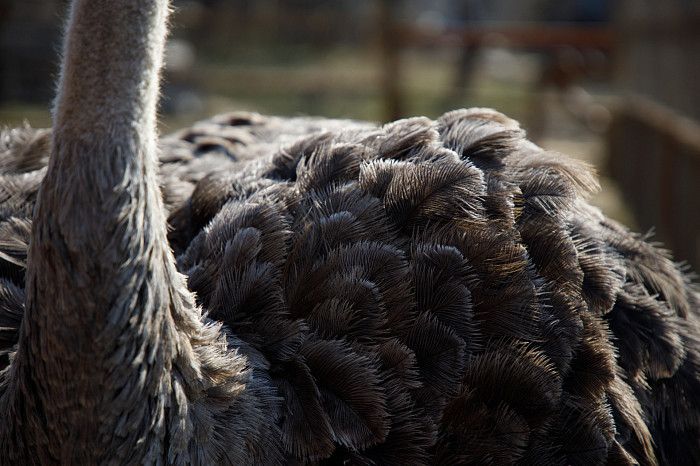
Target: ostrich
column 425, row 292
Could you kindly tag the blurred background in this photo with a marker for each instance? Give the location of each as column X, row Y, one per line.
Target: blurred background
column 614, row 82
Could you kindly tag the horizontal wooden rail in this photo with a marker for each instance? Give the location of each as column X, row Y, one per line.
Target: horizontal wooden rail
column 537, row 35
column 655, row 156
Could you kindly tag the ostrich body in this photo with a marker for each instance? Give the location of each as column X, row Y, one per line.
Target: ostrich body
column 422, row 292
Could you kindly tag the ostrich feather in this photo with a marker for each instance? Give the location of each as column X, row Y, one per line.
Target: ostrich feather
column 442, row 278
column 14, row 241
column 356, row 408
column 400, row 140
column 11, row 312
column 305, row 426
column 330, row 164
column 439, row 357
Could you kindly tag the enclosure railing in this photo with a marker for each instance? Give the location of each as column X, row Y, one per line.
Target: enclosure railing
column 655, row 157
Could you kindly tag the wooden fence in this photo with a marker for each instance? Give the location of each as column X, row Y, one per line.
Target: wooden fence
column 655, row 157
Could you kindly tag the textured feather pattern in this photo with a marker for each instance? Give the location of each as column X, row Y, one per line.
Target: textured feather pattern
column 426, row 292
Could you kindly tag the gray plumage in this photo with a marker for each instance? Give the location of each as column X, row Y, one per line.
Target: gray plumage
column 425, row 292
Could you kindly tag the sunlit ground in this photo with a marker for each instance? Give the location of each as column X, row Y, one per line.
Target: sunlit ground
column 345, row 82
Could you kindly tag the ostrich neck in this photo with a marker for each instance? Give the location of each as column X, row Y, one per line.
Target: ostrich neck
column 98, row 337
column 110, row 74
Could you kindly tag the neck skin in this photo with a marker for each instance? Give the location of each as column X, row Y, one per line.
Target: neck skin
column 111, row 342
